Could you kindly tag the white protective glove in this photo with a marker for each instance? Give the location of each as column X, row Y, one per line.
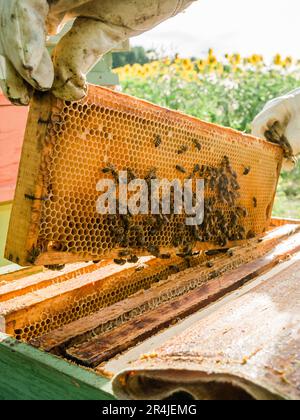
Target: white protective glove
column 280, row 120
column 100, row 25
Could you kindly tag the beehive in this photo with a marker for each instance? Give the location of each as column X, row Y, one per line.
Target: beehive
column 35, row 304
column 67, row 145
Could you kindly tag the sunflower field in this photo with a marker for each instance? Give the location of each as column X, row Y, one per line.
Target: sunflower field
column 229, row 91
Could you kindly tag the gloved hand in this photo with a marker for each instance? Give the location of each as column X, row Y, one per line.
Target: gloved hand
column 279, row 122
column 100, row 25
column 24, row 60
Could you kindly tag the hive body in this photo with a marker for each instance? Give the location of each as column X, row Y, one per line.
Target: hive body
column 54, row 218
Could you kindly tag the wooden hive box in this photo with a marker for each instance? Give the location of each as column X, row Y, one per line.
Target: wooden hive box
column 67, row 146
column 101, row 315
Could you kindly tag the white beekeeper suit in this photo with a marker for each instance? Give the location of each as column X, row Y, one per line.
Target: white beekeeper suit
column 286, row 111
column 100, row 25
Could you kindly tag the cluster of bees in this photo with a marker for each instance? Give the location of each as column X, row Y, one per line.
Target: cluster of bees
column 275, row 134
column 130, row 235
column 221, row 189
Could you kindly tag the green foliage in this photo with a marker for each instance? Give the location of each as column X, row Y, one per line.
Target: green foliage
column 135, row 55
column 230, row 98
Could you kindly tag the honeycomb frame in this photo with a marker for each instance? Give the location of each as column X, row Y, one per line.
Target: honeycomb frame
column 66, row 146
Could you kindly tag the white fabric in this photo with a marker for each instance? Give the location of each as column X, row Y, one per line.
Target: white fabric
column 285, row 110
column 100, row 25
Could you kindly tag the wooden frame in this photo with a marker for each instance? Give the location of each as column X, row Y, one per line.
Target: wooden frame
column 66, row 145
column 28, row 373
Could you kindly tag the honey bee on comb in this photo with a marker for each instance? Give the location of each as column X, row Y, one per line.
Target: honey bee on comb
column 197, row 144
column 180, row 169
column 157, row 141
column 183, row 149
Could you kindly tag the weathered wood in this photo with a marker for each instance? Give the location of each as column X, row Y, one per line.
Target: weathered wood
column 33, row 279
column 248, row 347
column 28, row 374
column 279, row 221
column 83, row 329
column 20, row 274
column 165, row 310
column 106, row 346
column 67, row 297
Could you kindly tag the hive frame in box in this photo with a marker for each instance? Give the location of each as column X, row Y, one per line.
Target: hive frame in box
column 28, row 373
column 54, row 219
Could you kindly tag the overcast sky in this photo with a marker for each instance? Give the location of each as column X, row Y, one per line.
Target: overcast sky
column 244, row 26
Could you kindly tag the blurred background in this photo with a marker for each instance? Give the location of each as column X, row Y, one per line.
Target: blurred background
column 221, row 61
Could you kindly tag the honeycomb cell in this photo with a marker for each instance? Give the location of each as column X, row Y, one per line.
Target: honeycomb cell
column 111, row 128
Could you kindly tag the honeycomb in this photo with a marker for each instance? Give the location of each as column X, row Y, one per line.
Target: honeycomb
column 67, row 148
column 32, row 321
column 33, row 313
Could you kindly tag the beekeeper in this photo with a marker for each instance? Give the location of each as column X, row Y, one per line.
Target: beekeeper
column 100, row 25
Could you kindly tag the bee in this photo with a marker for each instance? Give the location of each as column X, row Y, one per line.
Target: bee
column 33, row 254
column 124, row 253
column 235, row 185
column 214, row 252
column 165, row 256
column 269, row 135
column 131, row 175
column 251, row 234
column 222, row 241
column 180, row 169
column 119, row 261
column 55, row 267
column 230, row 253
column 225, row 162
column 188, row 250
column 33, row 198
column 241, row 232
column 177, row 241
column 141, row 240
column 234, row 219
column 183, row 149
column 196, row 234
column 255, row 202
column 150, row 221
column 247, row 170
column 136, row 228
column 210, row 264
column 43, row 121
column 151, row 174
column 212, row 183
column 119, row 231
column 140, row 268
column 157, row 140
column 197, row 144
column 110, row 169
column 124, row 241
column 133, row 259
column 174, row 268
column 196, row 168
column 242, row 212
column 126, row 220
column 154, row 250
column 112, row 218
